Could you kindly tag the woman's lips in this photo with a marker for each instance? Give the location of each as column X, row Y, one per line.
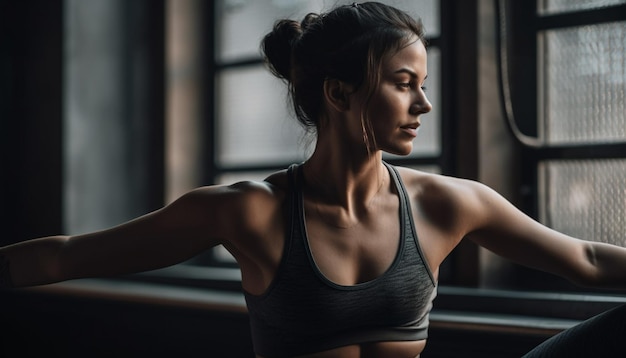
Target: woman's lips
column 411, row 129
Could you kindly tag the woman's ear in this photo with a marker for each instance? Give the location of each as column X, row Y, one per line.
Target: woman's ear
column 337, row 94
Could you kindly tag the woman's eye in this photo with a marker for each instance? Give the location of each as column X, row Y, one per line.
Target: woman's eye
column 410, row 85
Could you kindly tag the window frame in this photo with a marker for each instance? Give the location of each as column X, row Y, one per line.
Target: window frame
column 526, row 24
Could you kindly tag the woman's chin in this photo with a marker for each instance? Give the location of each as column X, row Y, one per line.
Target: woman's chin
column 400, row 151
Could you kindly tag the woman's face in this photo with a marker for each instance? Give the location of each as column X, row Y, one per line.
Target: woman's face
column 395, row 108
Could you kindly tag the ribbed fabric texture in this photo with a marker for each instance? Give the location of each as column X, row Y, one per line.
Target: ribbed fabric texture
column 302, row 312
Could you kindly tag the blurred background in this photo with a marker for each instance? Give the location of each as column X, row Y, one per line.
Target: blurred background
column 110, row 109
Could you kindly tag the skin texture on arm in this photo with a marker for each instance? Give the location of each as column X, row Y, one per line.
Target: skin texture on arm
column 500, row 227
column 195, row 222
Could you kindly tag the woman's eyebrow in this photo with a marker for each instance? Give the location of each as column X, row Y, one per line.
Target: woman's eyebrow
column 409, row 72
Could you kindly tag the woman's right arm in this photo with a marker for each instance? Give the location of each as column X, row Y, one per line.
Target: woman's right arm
column 195, row 222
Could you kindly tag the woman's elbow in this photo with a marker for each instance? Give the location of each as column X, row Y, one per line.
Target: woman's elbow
column 603, row 266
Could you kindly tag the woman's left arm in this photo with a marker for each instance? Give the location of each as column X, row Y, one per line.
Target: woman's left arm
column 497, row 225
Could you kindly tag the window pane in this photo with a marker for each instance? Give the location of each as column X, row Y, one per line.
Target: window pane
column 584, row 77
column 428, row 141
column 241, row 24
column 585, row 199
column 255, row 125
column 107, row 124
column 556, row 6
column 426, row 10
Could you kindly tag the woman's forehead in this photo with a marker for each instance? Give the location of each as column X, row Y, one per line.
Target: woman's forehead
column 411, row 59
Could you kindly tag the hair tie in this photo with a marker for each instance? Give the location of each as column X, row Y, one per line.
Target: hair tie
column 355, row 5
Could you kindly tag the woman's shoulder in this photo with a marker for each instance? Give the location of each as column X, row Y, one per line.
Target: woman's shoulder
column 242, row 194
column 428, row 183
column 271, row 188
column 251, row 205
column 443, row 194
column 245, row 216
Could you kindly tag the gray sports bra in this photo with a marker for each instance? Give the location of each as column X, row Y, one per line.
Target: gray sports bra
column 303, row 312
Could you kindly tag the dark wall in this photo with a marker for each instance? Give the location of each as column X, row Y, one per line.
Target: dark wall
column 30, row 118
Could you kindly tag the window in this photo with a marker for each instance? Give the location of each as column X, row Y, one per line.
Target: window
column 566, row 79
column 566, row 61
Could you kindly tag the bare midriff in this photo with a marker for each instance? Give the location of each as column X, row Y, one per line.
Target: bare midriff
column 410, row 349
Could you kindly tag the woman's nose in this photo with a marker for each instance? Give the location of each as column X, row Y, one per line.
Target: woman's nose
column 421, row 105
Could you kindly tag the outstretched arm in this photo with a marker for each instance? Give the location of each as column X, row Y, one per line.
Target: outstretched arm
column 193, row 223
column 500, row 227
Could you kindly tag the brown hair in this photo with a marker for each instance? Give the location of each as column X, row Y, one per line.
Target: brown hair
column 348, row 43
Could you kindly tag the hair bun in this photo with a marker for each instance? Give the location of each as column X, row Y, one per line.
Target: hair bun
column 277, row 46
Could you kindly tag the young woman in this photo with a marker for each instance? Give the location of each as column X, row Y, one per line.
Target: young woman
column 340, row 254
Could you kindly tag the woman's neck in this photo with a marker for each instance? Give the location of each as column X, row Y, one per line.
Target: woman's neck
column 335, row 177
